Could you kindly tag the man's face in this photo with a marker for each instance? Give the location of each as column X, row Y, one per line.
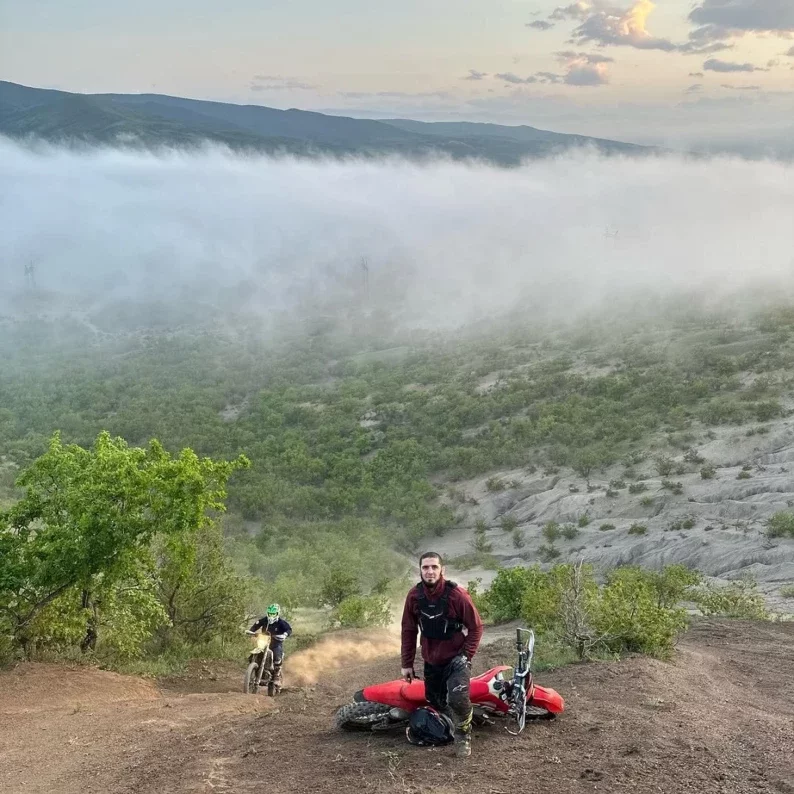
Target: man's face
column 431, row 570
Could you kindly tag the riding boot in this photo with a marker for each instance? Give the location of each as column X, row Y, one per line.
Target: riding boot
column 463, row 738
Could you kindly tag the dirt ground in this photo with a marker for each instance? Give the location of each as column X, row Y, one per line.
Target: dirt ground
column 718, row 718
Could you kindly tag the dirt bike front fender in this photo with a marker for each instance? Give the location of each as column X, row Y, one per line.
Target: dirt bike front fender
column 546, row 698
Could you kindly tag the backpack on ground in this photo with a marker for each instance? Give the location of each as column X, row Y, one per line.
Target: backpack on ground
column 428, row 728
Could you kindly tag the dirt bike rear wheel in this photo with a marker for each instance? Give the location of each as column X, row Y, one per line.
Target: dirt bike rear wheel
column 251, row 686
column 360, row 716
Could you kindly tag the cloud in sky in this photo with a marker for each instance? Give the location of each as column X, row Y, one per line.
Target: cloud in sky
column 475, row 75
column 720, row 19
column 716, row 65
column 609, row 24
column 581, row 69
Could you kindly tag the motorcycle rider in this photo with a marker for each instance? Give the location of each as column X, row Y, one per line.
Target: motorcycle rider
column 273, row 624
column 442, row 610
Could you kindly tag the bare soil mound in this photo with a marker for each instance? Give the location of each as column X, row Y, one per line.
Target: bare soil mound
column 718, row 718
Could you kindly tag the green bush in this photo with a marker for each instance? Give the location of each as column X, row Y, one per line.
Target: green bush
column 708, row 471
column 506, row 593
column 518, row 539
column 781, row 525
column 638, row 487
column 632, row 615
column 664, row 465
column 637, row 529
column 508, row 523
column 584, row 520
column 736, row 600
column 480, row 544
column 635, row 610
column 569, row 531
column 788, row 591
column 360, row 612
column 743, row 475
column 551, row 531
column 606, row 527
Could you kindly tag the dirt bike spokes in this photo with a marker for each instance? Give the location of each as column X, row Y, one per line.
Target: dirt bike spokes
column 260, row 665
column 521, row 684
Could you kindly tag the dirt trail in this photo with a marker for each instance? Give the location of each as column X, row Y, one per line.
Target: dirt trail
column 719, row 718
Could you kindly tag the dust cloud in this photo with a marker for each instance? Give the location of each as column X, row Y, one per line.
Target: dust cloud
column 343, row 650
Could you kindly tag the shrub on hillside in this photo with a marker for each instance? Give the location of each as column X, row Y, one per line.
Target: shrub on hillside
column 737, row 600
column 781, row 525
column 361, row 612
column 635, row 610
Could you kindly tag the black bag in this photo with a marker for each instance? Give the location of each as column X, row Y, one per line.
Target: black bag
column 428, row 728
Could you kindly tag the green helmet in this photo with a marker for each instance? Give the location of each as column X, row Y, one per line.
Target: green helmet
column 273, row 612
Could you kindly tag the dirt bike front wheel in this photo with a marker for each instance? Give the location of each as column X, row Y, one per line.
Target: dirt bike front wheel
column 360, row 716
column 251, row 684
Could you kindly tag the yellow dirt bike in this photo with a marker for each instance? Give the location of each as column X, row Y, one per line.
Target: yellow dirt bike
column 260, row 671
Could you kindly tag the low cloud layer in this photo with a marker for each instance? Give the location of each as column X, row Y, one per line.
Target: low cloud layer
column 444, row 243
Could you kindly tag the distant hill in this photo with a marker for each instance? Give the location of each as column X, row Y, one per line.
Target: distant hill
column 154, row 119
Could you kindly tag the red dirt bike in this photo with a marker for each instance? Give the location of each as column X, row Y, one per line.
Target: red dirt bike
column 389, row 705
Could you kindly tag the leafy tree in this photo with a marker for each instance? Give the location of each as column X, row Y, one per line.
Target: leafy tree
column 88, row 515
column 202, row 594
column 338, row 586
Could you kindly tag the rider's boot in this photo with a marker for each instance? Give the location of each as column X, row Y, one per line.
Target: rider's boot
column 463, row 737
column 463, row 744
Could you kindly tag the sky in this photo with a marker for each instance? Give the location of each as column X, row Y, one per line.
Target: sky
column 675, row 72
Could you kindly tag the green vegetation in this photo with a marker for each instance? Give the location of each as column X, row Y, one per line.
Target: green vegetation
column 355, row 442
column 781, row 525
column 736, row 600
column 708, row 471
column 358, row 612
column 634, row 610
column 114, row 543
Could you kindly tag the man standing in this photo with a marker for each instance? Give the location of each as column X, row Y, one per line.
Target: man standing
column 442, row 611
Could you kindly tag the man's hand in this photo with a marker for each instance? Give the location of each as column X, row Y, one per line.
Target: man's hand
column 408, row 674
column 279, row 636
